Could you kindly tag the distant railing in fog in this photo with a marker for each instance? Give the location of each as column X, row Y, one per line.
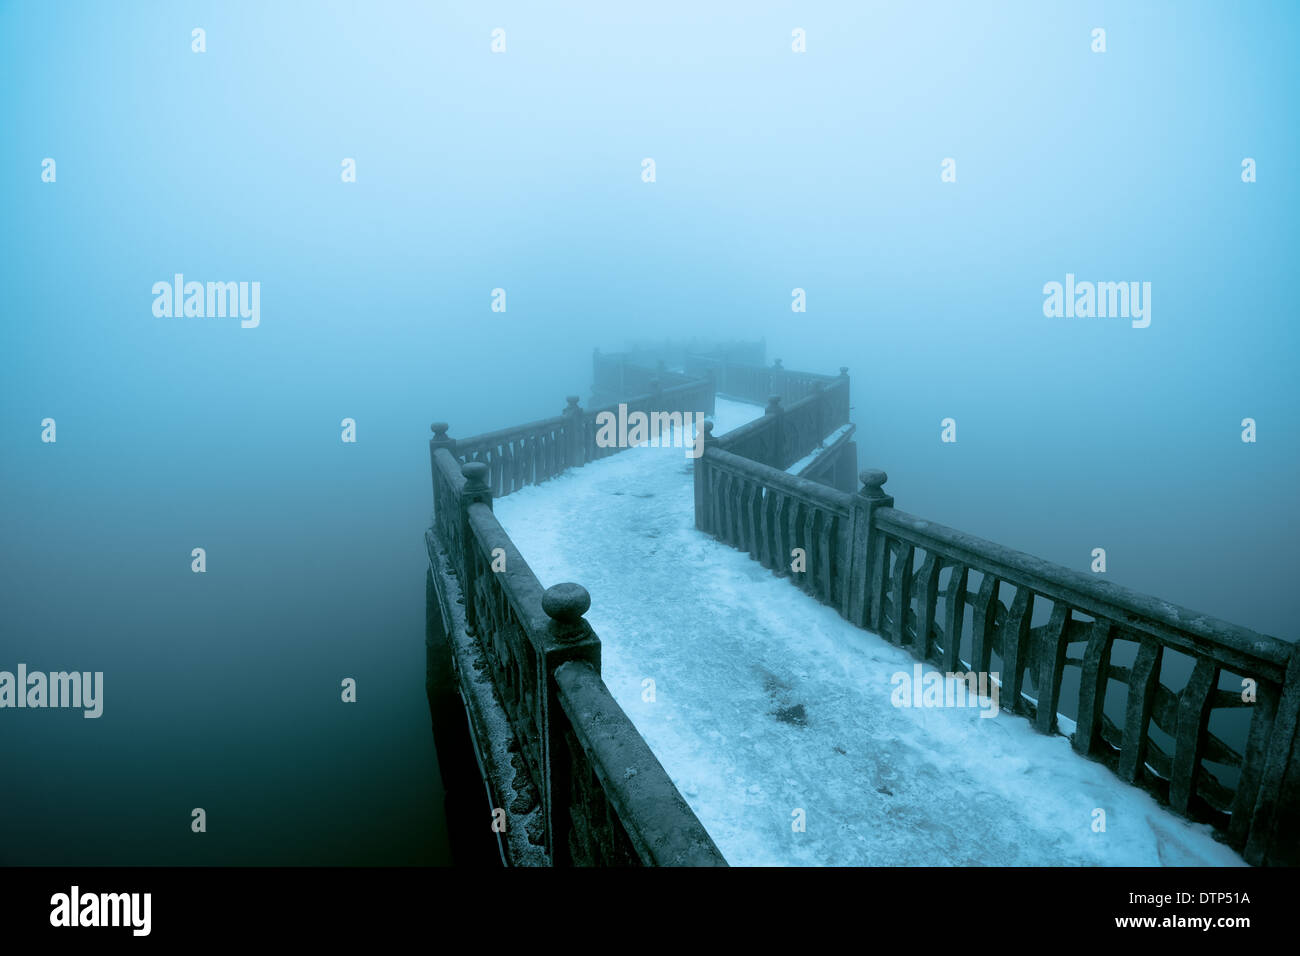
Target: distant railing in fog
column 530, row 454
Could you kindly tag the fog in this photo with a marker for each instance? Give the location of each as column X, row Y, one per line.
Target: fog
column 522, row 171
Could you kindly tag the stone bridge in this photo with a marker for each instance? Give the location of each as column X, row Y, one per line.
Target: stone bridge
column 777, row 694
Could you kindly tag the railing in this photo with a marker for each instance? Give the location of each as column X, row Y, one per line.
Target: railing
column 755, row 383
column 623, row 808
column 793, row 526
column 836, row 464
column 617, row 375
column 694, row 396
column 957, row 601
column 784, row 435
column 523, row 455
column 907, row 586
column 1055, row 636
column 676, row 353
column 605, row 799
column 530, row 454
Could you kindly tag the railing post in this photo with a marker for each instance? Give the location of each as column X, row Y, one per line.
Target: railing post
column 703, row 520
column 575, row 432
column 844, row 374
column 568, row 638
column 866, row 550
column 776, row 378
column 439, row 440
column 475, row 491
column 776, row 444
column 442, row 519
column 1275, row 824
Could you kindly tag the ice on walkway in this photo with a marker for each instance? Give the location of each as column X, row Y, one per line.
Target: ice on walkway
column 767, row 702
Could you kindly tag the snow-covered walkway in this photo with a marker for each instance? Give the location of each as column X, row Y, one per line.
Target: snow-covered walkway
column 766, row 702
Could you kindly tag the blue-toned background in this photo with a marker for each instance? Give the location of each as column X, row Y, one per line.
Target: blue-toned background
column 522, row 171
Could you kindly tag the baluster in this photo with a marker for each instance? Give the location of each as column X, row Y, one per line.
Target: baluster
column 792, row 529
column 809, row 580
column 927, row 595
column 880, row 547
column 1253, row 759
column 728, row 508
column 744, row 487
column 511, row 475
column 954, row 613
column 737, row 496
column 752, row 505
column 901, row 592
column 983, row 621
column 1051, row 664
column 767, row 505
column 1143, row 680
column 716, row 511
column 1015, row 641
column 735, row 521
column 1092, row 686
column 825, row 572
column 780, row 535
column 575, row 439
column 1193, row 716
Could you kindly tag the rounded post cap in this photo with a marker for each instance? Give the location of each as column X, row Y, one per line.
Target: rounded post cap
column 566, row 602
column 774, row 401
column 872, row 479
column 776, row 363
column 475, row 473
column 844, row 370
column 708, row 428
column 439, row 429
column 572, row 400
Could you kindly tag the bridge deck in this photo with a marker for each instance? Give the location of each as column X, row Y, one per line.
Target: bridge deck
column 766, row 701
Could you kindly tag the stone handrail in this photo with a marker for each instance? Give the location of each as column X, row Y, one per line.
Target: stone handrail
column 543, row 659
column 784, row 435
column 677, row 353
column 523, row 455
column 884, row 570
column 532, row 453
column 780, row 519
column 839, row 455
column 638, row 815
column 756, row 383
column 617, row 374
column 901, row 604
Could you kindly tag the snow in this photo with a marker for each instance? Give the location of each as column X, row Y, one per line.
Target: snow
column 813, row 455
column 767, row 702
